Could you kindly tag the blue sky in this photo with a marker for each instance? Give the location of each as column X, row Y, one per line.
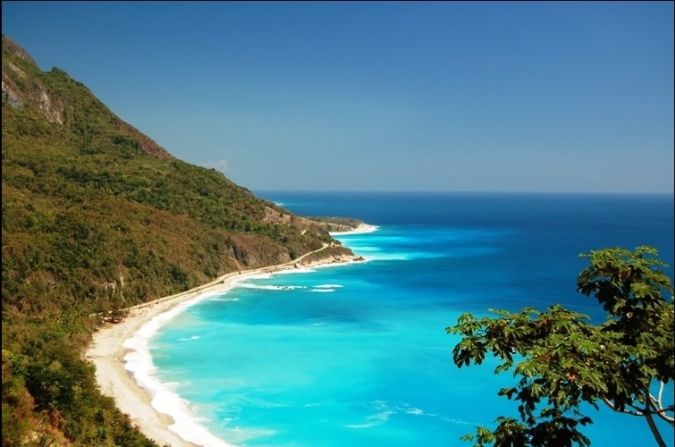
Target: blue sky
column 546, row 97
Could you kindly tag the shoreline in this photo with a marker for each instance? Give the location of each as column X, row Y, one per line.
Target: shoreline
column 362, row 228
column 124, row 366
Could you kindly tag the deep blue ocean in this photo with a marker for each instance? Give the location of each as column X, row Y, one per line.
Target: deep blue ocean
column 358, row 355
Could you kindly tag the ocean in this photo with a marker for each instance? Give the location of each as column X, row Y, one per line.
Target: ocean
column 358, row 355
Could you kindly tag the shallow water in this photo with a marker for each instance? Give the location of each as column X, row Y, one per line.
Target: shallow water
column 358, row 355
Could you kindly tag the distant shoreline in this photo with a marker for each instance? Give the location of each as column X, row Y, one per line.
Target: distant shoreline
column 361, row 229
column 116, row 349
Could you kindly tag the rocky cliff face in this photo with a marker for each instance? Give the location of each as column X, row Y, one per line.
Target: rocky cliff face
column 19, row 89
column 24, row 86
column 37, row 96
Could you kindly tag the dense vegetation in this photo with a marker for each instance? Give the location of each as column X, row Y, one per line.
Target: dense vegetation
column 337, row 223
column 95, row 217
column 563, row 361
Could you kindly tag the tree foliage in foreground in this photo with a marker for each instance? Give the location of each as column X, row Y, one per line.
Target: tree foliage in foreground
column 561, row 360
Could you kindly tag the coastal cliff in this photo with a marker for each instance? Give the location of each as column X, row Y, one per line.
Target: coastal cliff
column 97, row 217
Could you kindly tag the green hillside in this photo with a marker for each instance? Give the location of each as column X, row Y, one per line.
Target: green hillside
column 97, row 216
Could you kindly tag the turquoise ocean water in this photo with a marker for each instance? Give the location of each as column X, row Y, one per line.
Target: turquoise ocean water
column 358, row 355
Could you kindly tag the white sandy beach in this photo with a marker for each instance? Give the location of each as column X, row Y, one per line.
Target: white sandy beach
column 151, row 406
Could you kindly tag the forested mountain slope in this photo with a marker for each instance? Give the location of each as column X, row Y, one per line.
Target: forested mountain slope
column 97, row 216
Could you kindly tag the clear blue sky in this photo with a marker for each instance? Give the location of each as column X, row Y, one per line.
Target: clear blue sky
column 382, row 96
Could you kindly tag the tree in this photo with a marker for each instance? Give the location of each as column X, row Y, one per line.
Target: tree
column 562, row 360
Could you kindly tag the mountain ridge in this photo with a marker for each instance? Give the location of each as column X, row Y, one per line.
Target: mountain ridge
column 97, row 216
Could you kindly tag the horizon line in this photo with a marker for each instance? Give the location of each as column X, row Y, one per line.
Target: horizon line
column 386, row 191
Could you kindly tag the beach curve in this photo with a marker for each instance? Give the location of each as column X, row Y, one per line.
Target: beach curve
column 124, row 366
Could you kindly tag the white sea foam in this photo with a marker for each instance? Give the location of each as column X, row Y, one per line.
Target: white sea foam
column 139, row 363
column 387, row 410
column 298, row 270
column 406, row 408
column 378, row 418
column 268, row 287
column 460, row 421
column 362, row 229
column 224, row 299
column 165, row 400
column 326, row 288
column 194, row 337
